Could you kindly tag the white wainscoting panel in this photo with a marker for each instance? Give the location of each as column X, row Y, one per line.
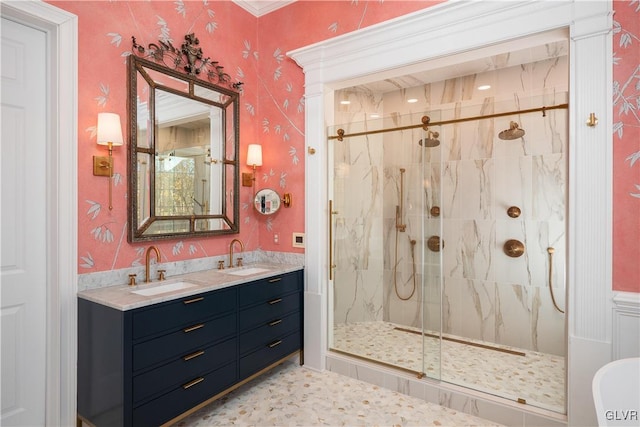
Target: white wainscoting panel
column 626, row 325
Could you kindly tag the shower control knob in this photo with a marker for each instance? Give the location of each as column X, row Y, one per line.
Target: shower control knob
column 514, row 212
column 435, row 244
column 514, row 248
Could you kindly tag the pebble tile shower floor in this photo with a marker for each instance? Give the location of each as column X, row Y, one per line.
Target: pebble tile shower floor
column 534, row 376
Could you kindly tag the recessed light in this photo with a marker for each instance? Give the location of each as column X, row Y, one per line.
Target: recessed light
column 345, row 102
column 375, row 116
column 484, row 87
column 412, row 100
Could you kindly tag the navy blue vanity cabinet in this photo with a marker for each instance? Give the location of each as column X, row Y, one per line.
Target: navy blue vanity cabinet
column 270, row 321
column 152, row 365
column 146, row 366
column 104, row 361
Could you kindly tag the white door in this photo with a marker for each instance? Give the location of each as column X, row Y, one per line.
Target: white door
column 23, row 274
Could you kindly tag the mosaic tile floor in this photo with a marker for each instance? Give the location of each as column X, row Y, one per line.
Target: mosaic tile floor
column 291, row 395
column 536, row 377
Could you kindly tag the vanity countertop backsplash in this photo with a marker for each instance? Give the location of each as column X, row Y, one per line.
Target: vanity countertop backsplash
column 121, row 296
column 125, row 297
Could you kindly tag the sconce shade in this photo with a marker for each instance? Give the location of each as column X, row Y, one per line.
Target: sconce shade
column 254, row 155
column 109, row 129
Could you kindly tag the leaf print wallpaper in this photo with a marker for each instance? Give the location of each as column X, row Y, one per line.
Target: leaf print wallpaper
column 626, row 146
column 253, row 50
column 272, row 112
column 104, row 42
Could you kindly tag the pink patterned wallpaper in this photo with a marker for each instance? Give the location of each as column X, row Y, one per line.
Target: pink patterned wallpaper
column 227, row 34
column 626, row 146
column 253, row 50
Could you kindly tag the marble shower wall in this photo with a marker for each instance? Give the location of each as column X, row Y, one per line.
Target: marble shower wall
column 358, row 179
column 473, row 177
column 488, row 295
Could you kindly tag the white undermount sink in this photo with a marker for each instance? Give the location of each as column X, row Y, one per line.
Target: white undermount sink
column 161, row 289
column 247, row 271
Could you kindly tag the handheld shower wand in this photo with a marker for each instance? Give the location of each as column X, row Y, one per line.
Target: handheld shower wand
column 399, row 208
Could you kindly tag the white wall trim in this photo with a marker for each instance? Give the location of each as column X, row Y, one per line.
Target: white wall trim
column 259, row 8
column 458, row 27
column 62, row 32
column 626, row 325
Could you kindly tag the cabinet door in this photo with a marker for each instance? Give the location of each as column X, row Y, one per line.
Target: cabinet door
column 268, row 332
column 183, row 312
column 183, row 341
column 183, row 369
column 270, row 288
column 268, row 311
column 185, row 397
column 268, row 354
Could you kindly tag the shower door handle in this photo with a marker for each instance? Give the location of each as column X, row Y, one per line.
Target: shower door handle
column 331, row 214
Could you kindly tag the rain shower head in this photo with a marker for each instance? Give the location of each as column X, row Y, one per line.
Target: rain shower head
column 431, row 140
column 514, row 132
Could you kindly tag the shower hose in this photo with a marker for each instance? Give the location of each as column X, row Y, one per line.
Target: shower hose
column 413, row 265
column 553, row 298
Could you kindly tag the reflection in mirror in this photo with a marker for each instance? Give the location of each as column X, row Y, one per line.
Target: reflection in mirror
column 183, row 165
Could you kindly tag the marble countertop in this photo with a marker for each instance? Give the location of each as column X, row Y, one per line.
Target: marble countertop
column 123, row 297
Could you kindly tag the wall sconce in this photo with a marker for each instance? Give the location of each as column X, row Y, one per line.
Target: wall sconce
column 109, row 134
column 254, row 158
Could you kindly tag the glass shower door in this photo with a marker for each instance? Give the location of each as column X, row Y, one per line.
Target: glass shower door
column 503, row 207
column 377, row 291
column 449, row 244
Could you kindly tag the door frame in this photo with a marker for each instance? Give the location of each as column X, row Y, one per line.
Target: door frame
column 395, row 47
column 61, row 29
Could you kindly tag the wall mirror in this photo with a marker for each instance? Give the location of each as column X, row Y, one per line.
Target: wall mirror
column 184, row 144
column 268, row 201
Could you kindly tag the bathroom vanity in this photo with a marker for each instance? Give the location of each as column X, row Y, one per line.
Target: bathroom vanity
column 150, row 354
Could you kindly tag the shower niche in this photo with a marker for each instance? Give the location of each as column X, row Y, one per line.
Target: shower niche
column 463, row 312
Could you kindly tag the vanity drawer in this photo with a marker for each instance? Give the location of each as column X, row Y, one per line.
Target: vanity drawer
column 183, row 340
column 269, row 288
column 268, row 354
column 183, row 369
column 269, row 310
column 173, row 314
column 269, row 332
column 184, row 397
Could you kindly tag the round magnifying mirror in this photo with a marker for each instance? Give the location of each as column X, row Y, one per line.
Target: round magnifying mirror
column 267, row 201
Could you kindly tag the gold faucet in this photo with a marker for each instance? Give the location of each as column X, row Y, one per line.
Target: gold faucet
column 231, row 250
column 147, row 279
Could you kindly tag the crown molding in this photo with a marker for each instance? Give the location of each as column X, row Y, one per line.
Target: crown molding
column 259, row 8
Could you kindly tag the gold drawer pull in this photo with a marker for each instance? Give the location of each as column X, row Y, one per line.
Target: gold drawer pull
column 275, row 301
column 275, row 344
column 275, row 280
column 275, row 322
column 192, row 383
column 191, row 301
column 193, row 328
column 193, row 355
